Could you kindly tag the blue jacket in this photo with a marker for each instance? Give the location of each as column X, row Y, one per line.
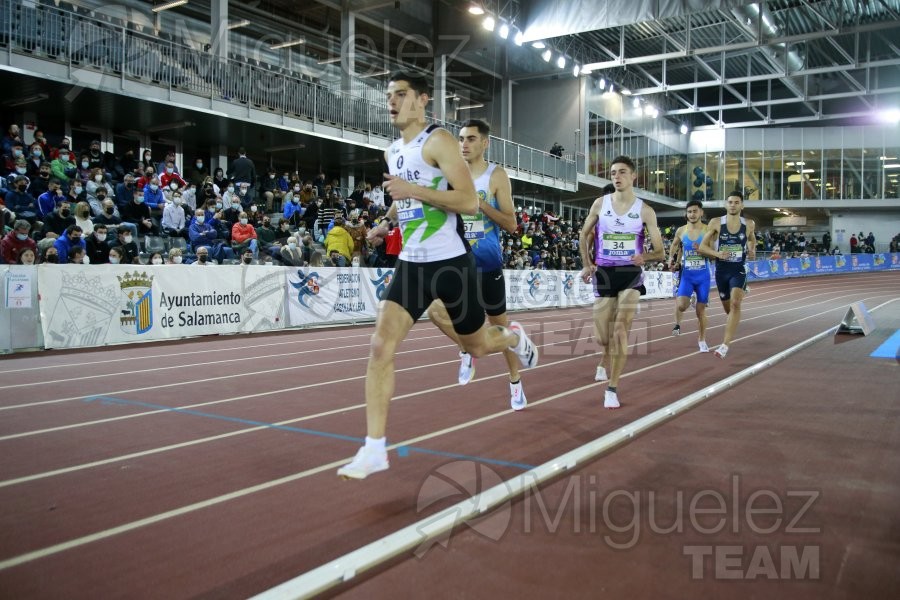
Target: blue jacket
column 21, row 203
column 290, row 208
column 153, row 199
column 202, row 234
column 47, row 202
column 63, row 245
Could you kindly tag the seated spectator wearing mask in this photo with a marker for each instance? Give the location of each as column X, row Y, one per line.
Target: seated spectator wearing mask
column 174, row 223
column 339, row 244
column 291, row 256
column 96, row 247
column 17, row 240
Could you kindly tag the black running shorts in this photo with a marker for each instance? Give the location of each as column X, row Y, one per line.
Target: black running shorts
column 609, row 281
column 492, row 292
column 453, row 281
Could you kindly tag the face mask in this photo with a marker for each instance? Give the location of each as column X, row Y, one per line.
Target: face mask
column 109, row 210
column 18, row 153
column 253, row 208
column 247, row 260
column 266, row 223
column 157, row 261
column 218, row 205
column 200, row 219
column 178, row 200
column 64, row 157
column 244, row 221
column 77, row 190
column 21, row 236
column 236, row 205
column 101, row 237
column 147, row 157
column 292, row 246
column 52, row 258
column 37, row 153
column 271, row 177
column 113, row 260
column 85, row 260
column 296, row 188
column 202, row 258
column 176, row 259
column 295, row 200
column 170, row 170
column 199, row 165
column 173, row 186
column 45, row 174
column 126, row 239
column 65, row 212
column 139, row 199
column 154, row 187
column 21, row 170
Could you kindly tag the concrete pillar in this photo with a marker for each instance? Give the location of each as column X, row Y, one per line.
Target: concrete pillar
column 218, row 21
column 439, row 101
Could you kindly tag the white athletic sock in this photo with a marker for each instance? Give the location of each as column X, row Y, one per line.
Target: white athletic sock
column 376, row 445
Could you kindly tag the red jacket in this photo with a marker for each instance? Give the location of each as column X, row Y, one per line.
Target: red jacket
column 242, row 233
column 11, row 246
column 393, row 242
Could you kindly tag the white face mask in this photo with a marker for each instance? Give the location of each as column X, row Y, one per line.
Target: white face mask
column 98, row 178
column 230, row 188
column 126, row 239
column 253, row 208
column 101, row 237
column 173, row 185
column 113, row 260
column 85, row 260
column 292, row 246
column 200, row 219
column 178, row 200
column 243, row 221
column 77, row 190
column 157, row 261
column 176, row 259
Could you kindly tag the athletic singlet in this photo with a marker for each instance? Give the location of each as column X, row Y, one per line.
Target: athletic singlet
column 735, row 244
column 429, row 233
column 482, row 233
column 690, row 258
column 618, row 238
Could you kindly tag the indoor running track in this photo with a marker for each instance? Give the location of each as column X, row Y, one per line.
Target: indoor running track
column 206, row 468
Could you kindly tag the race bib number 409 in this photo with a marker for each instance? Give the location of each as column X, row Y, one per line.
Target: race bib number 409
column 618, row 245
column 409, row 209
column 473, row 226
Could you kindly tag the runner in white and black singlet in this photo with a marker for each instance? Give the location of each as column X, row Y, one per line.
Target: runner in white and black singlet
column 431, row 187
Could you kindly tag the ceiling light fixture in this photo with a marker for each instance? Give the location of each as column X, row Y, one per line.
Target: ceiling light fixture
column 489, row 23
column 546, row 54
column 626, row 91
column 471, row 106
column 539, row 45
column 561, row 62
column 576, row 70
column 518, row 38
column 475, row 9
column 683, row 129
column 504, row 31
column 286, row 44
column 237, row 24
column 167, row 5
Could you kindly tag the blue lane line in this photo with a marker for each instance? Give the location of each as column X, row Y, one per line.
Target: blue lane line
column 402, row 451
column 890, row 348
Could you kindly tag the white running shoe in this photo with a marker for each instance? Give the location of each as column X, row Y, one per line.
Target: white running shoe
column 517, row 398
column 466, row 368
column 364, row 464
column 676, row 330
column 524, row 349
column 703, row 346
column 721, row 351
column 611, row 400
column 600, row 375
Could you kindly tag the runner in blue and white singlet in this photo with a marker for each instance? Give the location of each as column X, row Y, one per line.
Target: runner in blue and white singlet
column 694, row 270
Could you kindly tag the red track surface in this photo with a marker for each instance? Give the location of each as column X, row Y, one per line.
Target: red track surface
column 125, row 497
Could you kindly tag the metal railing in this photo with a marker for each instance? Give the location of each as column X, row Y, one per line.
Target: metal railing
column 121, row 50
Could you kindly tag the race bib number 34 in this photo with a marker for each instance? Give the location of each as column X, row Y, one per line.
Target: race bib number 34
column 409, row 209
column 473, row 226
column 617, row 245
